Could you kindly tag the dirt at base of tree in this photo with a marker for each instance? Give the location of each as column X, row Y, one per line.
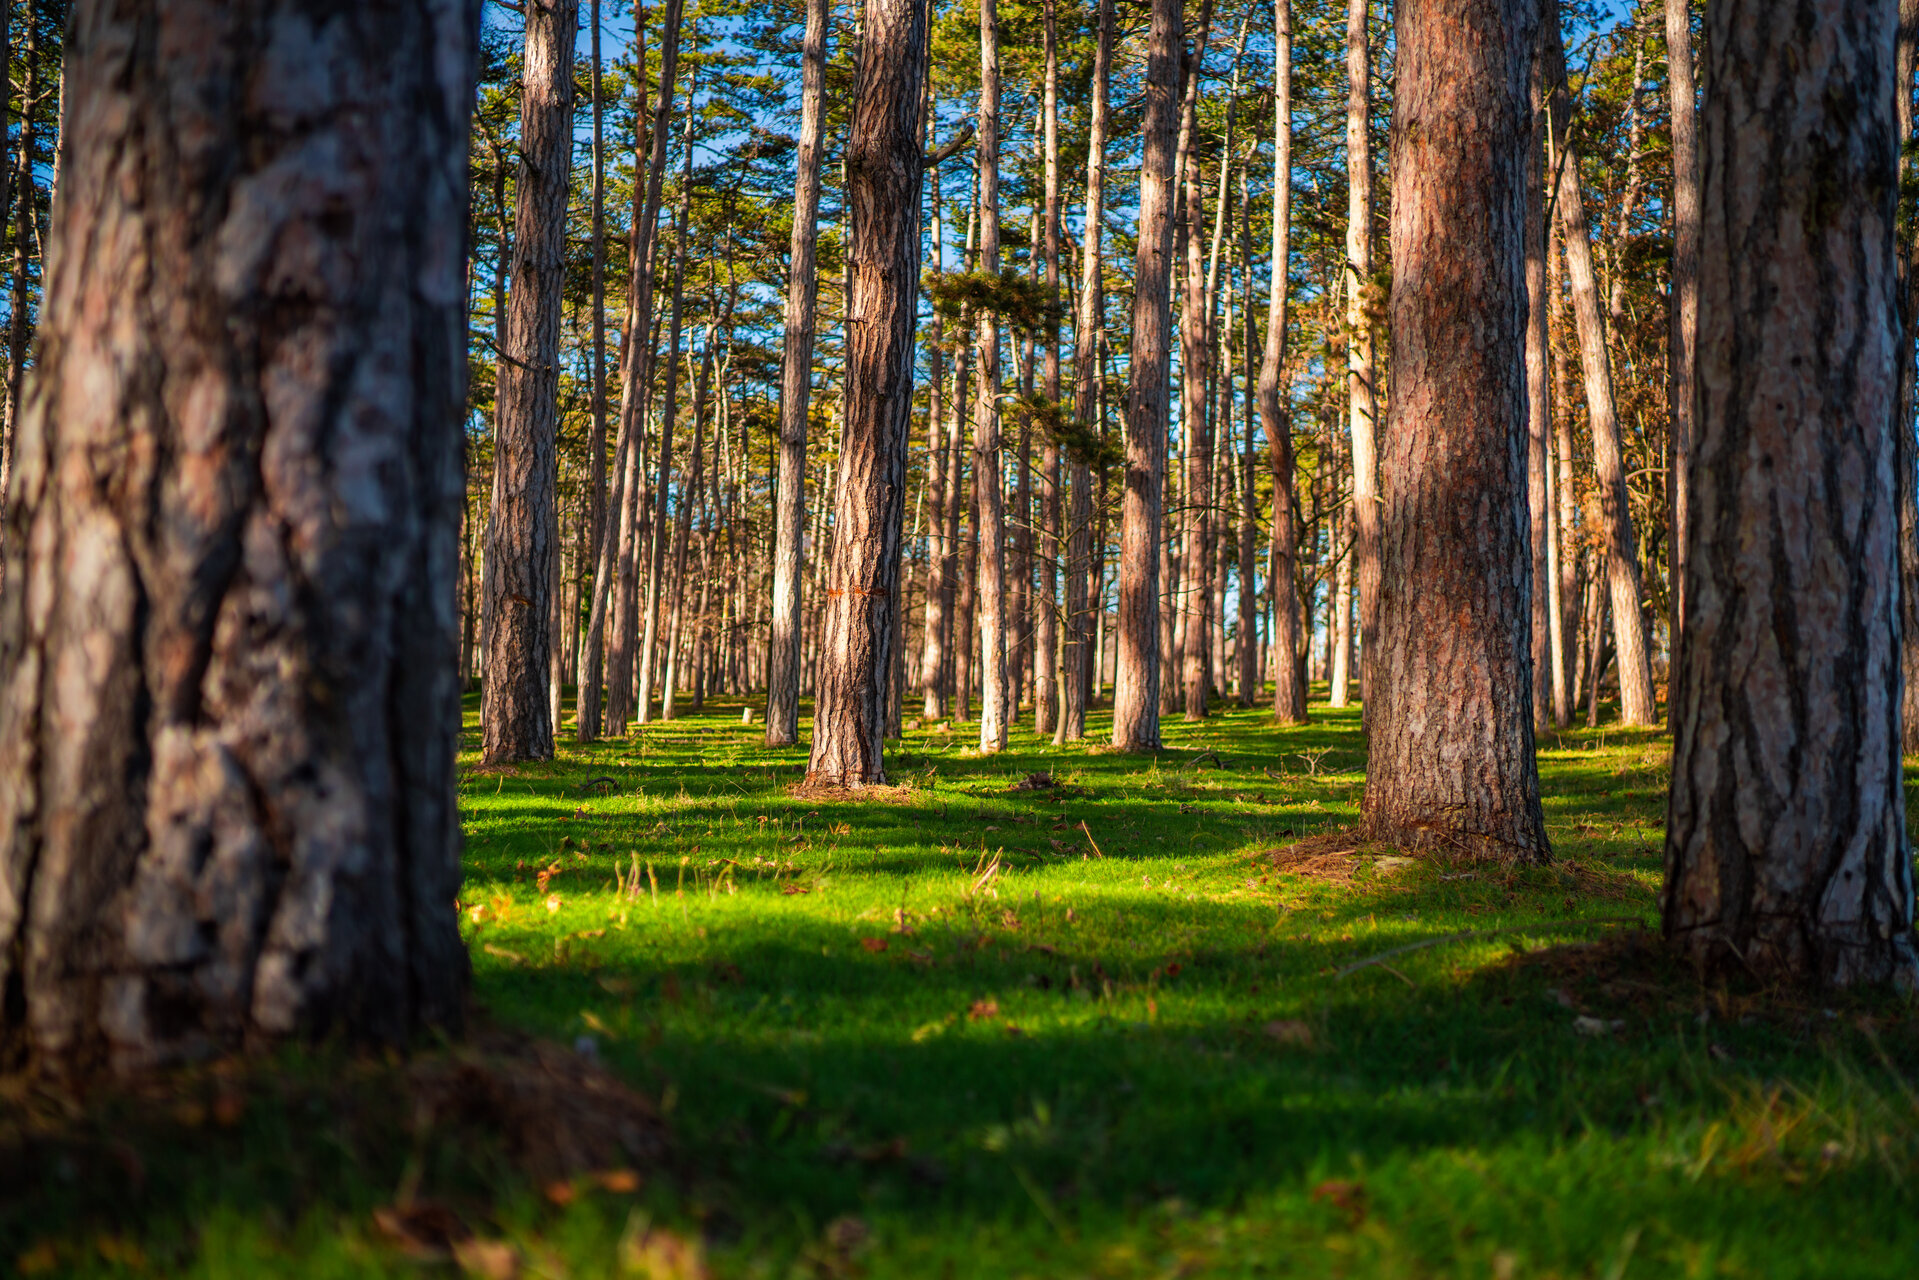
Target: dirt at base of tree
column 497, row 1110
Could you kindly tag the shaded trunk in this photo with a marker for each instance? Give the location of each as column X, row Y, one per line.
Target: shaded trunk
column 1636, row 705
column 1906, row 455
column 1451, row 764
column 884, row 169
column 1289, row 691
column 1786, row 849
column 231, row 715
column 516, row 713
column 1137, row 670
column 796, row 380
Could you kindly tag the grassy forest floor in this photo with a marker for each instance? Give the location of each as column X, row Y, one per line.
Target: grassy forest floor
column 1094, row 1028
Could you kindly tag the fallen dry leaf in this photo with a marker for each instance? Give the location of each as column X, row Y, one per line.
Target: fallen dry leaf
column 621, row 1182
column 663, row 1255
column 874, row 944
column 1349, row 1197
column 983, row 1009
column 487, row 1259
column 424, row 1229
column 1290, row 1031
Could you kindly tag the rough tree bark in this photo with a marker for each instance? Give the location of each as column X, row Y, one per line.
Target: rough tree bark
column 1451, row 763
column 1636, row 704
column 1786, row 850
column 515, row 713
column 884, row 175
column 1077, row 655
column 1289, row 691
column 1193, row 648
column 1906, row 455
column 796, row 378
column 227, row 808
column 989, row 499
column 1137, row 674
column 1362, row 398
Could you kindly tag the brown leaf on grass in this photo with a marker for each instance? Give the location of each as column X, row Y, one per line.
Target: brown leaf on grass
column 795, row 888
column 660, row 1254
column 424, row 1229
column 560, row 1192
column 620, row 1182
column 874, row 945
column 1290, row 1031
column 982, row 1010
column 487, row 1259
column 1348, row 1197
column 38, row 1260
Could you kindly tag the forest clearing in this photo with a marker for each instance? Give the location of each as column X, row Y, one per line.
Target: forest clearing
column 923, row 638
column 872, row 1054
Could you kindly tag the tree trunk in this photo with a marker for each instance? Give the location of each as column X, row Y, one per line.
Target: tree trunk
column 952, row 638
column 230, row 711
column 1451, row 763
column 1906, row 454
column 1077, row 654
column 650, row 657
column 690, row 497
column 796, row 379
column 1046, row 664
column 1786, row 850
column 1539, row 407
column 884, row 168
column 1636, row 705
column 1289, row 692
column 1137, row 674
column 1195, row 428
column 1362, row 400
column 586, row 697
column 618, row 558
column 516, row 716
column 988, row 487
column 933, row 660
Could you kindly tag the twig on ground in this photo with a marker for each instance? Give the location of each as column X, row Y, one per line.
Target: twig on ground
column 1090, row 840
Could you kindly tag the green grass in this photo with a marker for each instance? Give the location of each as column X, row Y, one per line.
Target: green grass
column 877, row 1059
